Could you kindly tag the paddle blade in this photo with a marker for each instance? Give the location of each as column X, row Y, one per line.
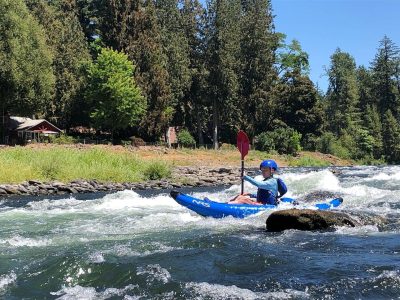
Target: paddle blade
column 243, row 143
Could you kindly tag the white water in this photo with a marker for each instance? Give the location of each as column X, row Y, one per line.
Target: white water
column 125, row 225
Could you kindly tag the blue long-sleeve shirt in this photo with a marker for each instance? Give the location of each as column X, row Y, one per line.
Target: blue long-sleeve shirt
column 270, row 184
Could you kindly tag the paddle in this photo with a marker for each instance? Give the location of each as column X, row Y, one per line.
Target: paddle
column 243, row 145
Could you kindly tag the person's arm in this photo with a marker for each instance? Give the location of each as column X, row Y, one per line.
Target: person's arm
column 265, row 185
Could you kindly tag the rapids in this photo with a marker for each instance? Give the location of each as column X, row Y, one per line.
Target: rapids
column 129, row 245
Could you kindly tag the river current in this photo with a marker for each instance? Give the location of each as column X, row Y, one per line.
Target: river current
column 129, row 245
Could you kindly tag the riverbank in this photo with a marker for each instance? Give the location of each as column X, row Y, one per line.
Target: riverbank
column 59, row 169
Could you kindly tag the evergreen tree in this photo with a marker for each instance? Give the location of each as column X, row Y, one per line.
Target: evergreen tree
column 384, row 69
column 176, row 48
column 258, row 74
column 342, row 95
column 69, row 45
column 299, row 105
column 391, row 136
column 112, row 92
column 26, row 75
column 365, row 84
column 223, row 56
column 373, row 124
column 192, row 110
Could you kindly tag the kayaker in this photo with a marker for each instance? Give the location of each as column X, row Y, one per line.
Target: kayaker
column 268, row 190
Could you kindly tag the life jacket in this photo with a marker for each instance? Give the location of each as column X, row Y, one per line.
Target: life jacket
column 268, row 197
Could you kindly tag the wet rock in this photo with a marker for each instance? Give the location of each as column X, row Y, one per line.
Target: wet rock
column 318, row 196
column 307, row 219
column 12, row 190
column 34, row 182
column 3, row 192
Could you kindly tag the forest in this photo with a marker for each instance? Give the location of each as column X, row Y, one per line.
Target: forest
column 138, row 67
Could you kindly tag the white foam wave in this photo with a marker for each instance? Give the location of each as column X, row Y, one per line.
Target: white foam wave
column 154, row 273
column 89, row 293
column 128, row 199
column 358, row 230
column 385, row 176
column 7, row 279
column 217, row 291
column 19, row 241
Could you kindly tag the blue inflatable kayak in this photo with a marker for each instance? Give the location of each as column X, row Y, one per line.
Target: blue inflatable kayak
column 208, row 208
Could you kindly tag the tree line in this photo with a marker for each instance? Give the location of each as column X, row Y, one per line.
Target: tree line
column 136, row 67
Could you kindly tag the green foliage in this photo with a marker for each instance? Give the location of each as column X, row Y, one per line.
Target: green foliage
column 116, row 100
column 307, row 161
column 67, row 42
column 62, row 139
column 185, row 139
column 26, row 74
column 66, row 164
column 391, row 136
column 328, row 143
column 292, row 58
column 282, row 140
column 157, row 170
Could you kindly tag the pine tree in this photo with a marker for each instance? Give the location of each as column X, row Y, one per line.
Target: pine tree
column 342, row 95
column 391, row 136
column 193, row 112
column 26, row 74
column 223, row 51
column 373, row 124
column 365, row 84
column 384, row 70
column 176, row 48
column 258, row 74
column 68, row 43
column 299, row 106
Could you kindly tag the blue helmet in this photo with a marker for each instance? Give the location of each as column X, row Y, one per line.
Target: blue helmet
column 269, row 163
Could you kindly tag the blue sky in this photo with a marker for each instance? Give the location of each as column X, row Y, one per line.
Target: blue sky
column 322, row 26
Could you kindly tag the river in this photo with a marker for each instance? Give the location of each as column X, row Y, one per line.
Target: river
column 127, row 245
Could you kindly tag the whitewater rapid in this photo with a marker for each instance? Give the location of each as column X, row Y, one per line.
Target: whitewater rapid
column 130, row 245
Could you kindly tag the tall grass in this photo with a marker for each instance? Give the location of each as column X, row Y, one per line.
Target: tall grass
column 307, row 161
column 19, row 164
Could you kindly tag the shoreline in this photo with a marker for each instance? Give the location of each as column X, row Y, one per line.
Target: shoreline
column 182, row 177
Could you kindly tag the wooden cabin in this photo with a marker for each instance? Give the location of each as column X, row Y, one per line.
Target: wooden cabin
column 21, row 131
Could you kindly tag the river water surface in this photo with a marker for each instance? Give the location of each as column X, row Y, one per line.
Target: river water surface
column 145, row 246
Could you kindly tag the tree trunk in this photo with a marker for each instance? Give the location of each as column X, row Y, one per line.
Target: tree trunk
column 199, row 131
column 215, row 124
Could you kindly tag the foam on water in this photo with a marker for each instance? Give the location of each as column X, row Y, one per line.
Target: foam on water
column 203, row 290
column 89, row 293
column 6, row 280
column 19, row 241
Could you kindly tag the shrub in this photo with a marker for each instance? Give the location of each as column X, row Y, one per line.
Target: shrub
column 328, row 143
column 185, row 139
column 283, row 140
column 62, row 139
column 157, row 170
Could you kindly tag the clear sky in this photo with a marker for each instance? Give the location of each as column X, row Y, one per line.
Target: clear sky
column 322, row 26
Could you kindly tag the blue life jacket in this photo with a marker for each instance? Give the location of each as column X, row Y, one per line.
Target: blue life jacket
column 267, row 197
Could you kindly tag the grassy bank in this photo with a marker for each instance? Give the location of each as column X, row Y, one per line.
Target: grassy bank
column 120, row 164
column 19, row 164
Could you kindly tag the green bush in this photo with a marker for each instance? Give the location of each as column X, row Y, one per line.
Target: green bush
column 62, row 139
column 185, row 139
column 157, row 170
column 329, row 144
column 283, row 140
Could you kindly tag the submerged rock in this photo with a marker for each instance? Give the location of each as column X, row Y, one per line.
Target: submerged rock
column 307, row 219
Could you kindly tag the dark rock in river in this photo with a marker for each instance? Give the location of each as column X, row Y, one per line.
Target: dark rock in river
column 318, row 196
column 307, row 219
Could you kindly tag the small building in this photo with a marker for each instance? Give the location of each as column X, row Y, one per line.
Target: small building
column 19, row 130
